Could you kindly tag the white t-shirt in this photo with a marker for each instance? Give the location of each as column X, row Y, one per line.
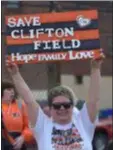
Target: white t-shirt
column 76, row 135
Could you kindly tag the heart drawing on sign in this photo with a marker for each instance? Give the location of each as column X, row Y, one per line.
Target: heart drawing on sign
column 82, row 21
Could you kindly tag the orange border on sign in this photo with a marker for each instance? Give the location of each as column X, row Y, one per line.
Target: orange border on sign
column 96, row 55
column 57, row 17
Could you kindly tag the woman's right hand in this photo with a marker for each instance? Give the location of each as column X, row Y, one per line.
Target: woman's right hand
column 12, row 67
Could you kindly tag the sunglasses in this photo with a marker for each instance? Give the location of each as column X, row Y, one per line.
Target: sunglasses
column 58, row 106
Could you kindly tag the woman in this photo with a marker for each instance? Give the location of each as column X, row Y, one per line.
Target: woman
column 14, row 119
column 68, row 128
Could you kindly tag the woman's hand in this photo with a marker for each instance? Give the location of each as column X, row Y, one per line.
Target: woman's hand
column 18, row 143
column 96, row 62
column 12, row 67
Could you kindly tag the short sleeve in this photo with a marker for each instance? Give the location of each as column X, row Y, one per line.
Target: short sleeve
column 39, row 127
column 87, row 124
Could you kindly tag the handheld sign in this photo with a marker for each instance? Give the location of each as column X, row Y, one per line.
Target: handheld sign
column 64, row 36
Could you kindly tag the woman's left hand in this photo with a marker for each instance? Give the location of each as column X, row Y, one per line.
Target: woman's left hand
column 96, row 62
column 19, row 141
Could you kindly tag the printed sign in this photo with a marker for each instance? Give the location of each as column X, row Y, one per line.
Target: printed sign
column 64, row 36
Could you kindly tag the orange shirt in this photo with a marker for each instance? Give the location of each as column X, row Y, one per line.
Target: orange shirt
column 16, row 119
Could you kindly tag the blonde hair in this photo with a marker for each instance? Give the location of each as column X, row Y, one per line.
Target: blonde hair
column 61, row 90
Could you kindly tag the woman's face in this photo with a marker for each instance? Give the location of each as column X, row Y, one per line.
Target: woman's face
column 61, row 110
column 8, row 94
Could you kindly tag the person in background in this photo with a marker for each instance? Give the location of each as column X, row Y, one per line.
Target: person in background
column 4, row 143
column 68, row 128
column 14, row 117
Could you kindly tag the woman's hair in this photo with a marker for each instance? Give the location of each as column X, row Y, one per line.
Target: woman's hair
column 7, row 85
column 60, row 91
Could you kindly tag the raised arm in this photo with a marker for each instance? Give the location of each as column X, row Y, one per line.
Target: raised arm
column 24, row 91
column 94, row 88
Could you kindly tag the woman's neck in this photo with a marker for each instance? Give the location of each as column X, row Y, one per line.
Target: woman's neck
column 63, row 122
